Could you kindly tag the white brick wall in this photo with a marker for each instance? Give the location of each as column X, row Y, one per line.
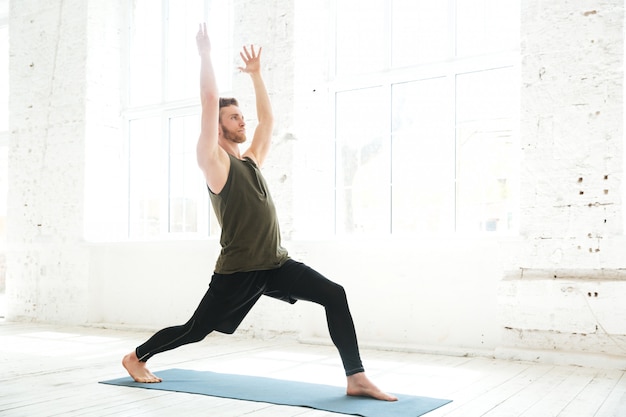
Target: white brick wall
column 572, row 135
column 572, row 130
column 46, row 161
column 572, row 119
column 58, row 56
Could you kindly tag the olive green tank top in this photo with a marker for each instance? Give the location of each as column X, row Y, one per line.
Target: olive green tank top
column 250, row 237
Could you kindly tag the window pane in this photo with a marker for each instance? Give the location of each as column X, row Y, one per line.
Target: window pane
column 4, row 188
column 361, row 41
column 363, row 168
column 485, row 26
column 4, row 78
column 420, row 32
column 487, row 151
column 225, row 58
column 182, row 54
column 146, row 177
column 145, row 54
column 423, row 157
column 186, row 185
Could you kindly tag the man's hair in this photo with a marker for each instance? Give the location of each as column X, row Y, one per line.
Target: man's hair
column 228, row 101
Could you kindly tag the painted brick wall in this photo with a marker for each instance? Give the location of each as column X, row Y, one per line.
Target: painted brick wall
column 572, row 125
column 46, row 160
column 572, row 133
column 56, row 72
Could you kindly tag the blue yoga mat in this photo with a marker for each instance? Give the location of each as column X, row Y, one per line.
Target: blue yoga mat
column 276, row 391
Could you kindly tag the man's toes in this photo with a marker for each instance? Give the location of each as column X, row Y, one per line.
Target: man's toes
column 154, row 378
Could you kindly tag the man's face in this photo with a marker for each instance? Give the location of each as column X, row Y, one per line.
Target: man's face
column 232, row 125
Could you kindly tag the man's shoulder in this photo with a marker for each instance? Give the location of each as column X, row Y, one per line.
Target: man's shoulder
column 249, row 156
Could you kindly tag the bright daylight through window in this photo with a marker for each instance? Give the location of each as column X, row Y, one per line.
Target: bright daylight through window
column 167, row 193
column 426, row 137
column 4, row 144
column 426, row 107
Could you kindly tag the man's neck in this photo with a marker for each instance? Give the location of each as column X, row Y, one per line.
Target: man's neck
column 230, row 148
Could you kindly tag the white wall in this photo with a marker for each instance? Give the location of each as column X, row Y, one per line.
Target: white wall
column 399, row 293
column 46, row 261
column 535, row 293
column 572, row 137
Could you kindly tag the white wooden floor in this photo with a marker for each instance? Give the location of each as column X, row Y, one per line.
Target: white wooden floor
column 54, row 371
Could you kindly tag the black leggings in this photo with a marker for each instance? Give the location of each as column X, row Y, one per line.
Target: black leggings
column 231, row 296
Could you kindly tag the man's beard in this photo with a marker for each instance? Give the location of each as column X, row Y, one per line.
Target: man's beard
column 233, row 136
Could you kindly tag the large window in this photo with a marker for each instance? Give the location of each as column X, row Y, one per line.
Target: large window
column 4, row 75
column 426, row 115
column 4, row 121
column 4, row 138
column 166, row 192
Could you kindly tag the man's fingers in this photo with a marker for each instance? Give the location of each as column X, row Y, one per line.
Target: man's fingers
column 251, row 53
column 247, row 54
column 200, row 33
column 202, row 29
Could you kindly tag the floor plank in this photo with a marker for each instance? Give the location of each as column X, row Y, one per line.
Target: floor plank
column 590, row 399
column 614, row 405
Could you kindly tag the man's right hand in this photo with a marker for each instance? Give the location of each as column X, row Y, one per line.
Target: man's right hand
column 202, row 40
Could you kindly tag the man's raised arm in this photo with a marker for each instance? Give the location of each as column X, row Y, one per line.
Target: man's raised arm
column 261, row 141
column 212, row 159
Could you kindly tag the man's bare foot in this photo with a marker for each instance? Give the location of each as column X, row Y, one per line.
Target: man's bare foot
column 137, row 370
column 360, row 386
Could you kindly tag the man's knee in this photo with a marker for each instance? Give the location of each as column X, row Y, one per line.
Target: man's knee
column 197, row 331
column 339, row 296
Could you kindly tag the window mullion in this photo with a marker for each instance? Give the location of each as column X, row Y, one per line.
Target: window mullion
column 389, row 129
column 164, row 50
column 166, row 174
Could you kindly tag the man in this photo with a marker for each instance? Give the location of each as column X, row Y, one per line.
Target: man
column 252, row 261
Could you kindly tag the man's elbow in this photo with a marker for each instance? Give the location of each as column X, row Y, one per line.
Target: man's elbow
column 267, row 120
column 208, row 96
